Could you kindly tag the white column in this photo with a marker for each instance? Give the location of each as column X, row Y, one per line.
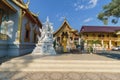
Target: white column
column 102, row 42
column 79, row 41
column 110, row 44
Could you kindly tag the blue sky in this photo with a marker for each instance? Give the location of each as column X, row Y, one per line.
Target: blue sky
column 77, row 12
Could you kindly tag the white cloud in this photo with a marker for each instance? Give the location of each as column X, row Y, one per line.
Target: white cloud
column 61, row 18
column 88, row 20
column 92, row 3
column 85, row 4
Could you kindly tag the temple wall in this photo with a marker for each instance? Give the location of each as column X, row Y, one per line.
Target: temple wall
column 24, row 21
column 3, row 48
column 12, row 48
column 5, row 45
column 20, row 49
column 14, row 17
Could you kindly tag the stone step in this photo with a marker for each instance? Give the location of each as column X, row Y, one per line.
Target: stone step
column 18, row 61
column 117, row 70
column 60, row 65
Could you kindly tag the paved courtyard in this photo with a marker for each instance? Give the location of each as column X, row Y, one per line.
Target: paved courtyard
column 58, row 76
column 77, row 60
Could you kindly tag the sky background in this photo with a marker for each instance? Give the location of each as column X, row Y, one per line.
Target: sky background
column 77, row 12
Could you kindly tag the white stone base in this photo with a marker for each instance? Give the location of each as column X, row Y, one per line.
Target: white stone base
column 40, row 49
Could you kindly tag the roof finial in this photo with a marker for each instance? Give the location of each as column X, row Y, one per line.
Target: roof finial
column 27, row 4
column 38, row 13
column 47, row 19
column 65, row 19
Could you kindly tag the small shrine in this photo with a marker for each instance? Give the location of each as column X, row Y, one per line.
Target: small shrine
column 45, row 42
column 66, row 37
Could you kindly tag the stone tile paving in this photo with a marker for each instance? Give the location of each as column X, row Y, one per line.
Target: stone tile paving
column 58, row 76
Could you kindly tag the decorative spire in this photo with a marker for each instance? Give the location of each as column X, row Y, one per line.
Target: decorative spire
column 47, row 19
column 38, row 13
column 65, row 18
column 27, row 4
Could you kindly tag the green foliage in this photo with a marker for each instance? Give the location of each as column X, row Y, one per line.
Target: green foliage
column 111, row 9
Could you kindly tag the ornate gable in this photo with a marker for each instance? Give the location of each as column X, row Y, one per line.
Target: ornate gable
column 64, row 27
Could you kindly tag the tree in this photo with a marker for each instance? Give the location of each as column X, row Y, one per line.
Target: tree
column 110, row 10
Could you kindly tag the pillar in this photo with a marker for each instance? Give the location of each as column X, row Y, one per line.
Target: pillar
column 110, row 44
column 79, row 41
column 102, row 42
column 18, row 33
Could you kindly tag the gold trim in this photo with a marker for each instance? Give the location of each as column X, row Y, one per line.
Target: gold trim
column 20, row 5
column 18, row 39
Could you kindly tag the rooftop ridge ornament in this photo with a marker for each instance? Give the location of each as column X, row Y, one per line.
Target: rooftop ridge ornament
column 47, row 20
column 38, row 13
column 27, row 4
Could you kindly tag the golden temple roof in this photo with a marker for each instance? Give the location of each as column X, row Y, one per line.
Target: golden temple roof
column 25, row 7
column 65, row 22
column 21, row 4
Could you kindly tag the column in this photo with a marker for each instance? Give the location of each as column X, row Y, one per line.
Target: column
column 110, row 44
column 102, row 42
column 18, row 33
column 79, row 41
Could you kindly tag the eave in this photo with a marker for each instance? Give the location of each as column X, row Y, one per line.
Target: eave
column 20, row 5
column 6, row 3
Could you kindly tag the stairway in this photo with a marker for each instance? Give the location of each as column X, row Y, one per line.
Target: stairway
column 22, row 64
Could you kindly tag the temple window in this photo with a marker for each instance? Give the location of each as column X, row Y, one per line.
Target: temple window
column 86, row 35
column 99, row 35
column 58, row 38
column 66, row 34
column 103, row 35
column 27, row 32
column 114, row 35
column 35, row 36
column 93, row 35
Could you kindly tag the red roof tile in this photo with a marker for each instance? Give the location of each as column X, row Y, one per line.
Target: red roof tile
column 99, row 29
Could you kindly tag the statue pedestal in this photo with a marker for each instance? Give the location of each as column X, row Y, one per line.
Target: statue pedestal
column 44, row 48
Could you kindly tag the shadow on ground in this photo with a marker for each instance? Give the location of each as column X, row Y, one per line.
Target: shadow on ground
column 110, row 55
column 6, row 74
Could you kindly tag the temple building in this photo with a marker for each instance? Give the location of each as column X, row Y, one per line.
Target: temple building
column 100, row 37
column 19, row 28
column 66, row 37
